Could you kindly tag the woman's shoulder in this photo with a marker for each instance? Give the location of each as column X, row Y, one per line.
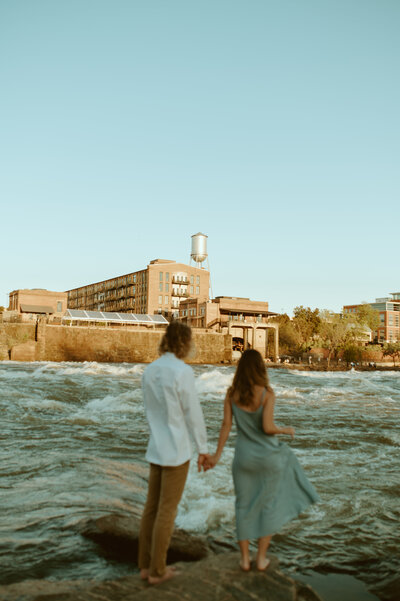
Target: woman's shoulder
column 268, row 394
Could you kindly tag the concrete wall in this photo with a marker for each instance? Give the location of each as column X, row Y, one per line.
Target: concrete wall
column 64, row 343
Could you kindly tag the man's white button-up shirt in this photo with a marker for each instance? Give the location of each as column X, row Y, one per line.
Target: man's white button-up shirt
column 173, row 411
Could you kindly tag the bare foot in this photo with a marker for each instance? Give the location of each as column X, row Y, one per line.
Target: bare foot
column 245, row 565
column 144, row 574
column 169, row 573
column 263, row 564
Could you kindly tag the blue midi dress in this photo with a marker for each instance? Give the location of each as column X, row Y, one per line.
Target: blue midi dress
column 270, row 485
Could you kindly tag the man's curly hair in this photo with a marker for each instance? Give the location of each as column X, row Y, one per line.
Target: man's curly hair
column 177, row 339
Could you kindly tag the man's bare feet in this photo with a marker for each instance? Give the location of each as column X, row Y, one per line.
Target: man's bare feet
column 144, row 574
column 245, row 565
column 263, row 564
column 170, row 572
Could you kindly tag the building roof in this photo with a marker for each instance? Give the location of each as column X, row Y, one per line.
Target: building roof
column 36, row 309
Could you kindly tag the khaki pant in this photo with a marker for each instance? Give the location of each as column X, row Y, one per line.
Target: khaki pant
column 166, row 484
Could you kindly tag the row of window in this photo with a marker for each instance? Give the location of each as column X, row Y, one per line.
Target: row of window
column 175, row 290
column 180, row 278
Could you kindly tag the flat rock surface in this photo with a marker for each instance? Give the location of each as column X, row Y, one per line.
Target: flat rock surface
column 118, row 538
column 208, row 571
column 215, row 578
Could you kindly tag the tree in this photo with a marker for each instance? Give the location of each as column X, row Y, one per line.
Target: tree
column 336, row 332
column 289, row 339
column 306, row 323
column 352, row 353
column 367, row 316
column 392, row 349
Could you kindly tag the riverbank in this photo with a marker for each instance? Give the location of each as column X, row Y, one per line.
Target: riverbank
column 332, row 368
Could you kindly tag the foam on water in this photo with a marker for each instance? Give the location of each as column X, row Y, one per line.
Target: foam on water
column 208, row 503
column 68, row 368
column 46, row 405
column 213, row 384
column 121, row 403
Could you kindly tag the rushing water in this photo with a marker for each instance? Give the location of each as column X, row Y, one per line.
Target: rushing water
column 73, row 438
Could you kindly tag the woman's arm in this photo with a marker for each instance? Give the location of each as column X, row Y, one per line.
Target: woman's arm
column 224, row 431
column 269, row 425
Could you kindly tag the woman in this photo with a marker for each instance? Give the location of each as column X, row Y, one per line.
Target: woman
column 270, row 485
column 173, row 413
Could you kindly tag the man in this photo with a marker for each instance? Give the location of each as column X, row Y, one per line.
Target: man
column 173, row 413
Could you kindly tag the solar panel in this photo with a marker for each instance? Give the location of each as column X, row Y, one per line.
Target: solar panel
column 128, row 317
column 158, row 318
column 109, row 316
column 143, row 318
column 77, row 313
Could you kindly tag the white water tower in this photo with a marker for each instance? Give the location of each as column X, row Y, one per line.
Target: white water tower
column 199, row 249
column 199, row 254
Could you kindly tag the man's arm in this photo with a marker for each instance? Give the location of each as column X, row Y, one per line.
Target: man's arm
column 192, row 413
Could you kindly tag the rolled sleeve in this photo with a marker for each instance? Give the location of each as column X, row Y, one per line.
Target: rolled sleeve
column 192, row 411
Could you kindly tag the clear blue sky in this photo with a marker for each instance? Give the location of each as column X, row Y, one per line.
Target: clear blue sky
column 271, row 126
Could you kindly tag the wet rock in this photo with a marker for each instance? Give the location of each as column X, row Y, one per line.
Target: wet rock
column 215, row 578
column 117, row 536
column 207, row 571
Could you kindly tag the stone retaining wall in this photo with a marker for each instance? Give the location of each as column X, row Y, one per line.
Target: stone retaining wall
column 64, row 343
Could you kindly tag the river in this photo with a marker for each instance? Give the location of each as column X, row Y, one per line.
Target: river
column 73, row 439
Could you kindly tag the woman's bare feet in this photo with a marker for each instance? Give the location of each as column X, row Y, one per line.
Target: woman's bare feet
column 170, row 572
column 262, row 564
column 245, row 565
column 144, row 574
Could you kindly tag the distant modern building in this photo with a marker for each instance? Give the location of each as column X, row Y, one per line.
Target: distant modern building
column 159, row 288
column 37, row 301
column 247, row 321
column 389, row 315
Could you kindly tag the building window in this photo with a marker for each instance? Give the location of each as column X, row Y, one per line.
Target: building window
column 192, row 279
column 191, row 289
column 166, row 298
column 198, row 280
column 134, row 278
column 59, row 307
column 161, row 276
column 390, row 319
column 166, row 287
column 160, row 300
column 197, row 289
column 202, row 311
column 382, row 317
column 160, row 287
column 167, row 276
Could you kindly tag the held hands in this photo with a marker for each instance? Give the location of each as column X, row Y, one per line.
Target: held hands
column 206, row 462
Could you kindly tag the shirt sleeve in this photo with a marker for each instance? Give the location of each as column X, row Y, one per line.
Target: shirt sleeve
column 192, row 410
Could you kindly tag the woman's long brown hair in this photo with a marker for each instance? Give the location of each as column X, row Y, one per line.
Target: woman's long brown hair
column 250, row 372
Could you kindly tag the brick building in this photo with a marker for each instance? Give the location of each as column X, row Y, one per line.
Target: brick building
column 37, row 301
column 247, row 321
column 159, row 288
column 389, row 315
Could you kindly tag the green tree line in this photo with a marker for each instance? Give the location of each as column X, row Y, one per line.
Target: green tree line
column 339, row 334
